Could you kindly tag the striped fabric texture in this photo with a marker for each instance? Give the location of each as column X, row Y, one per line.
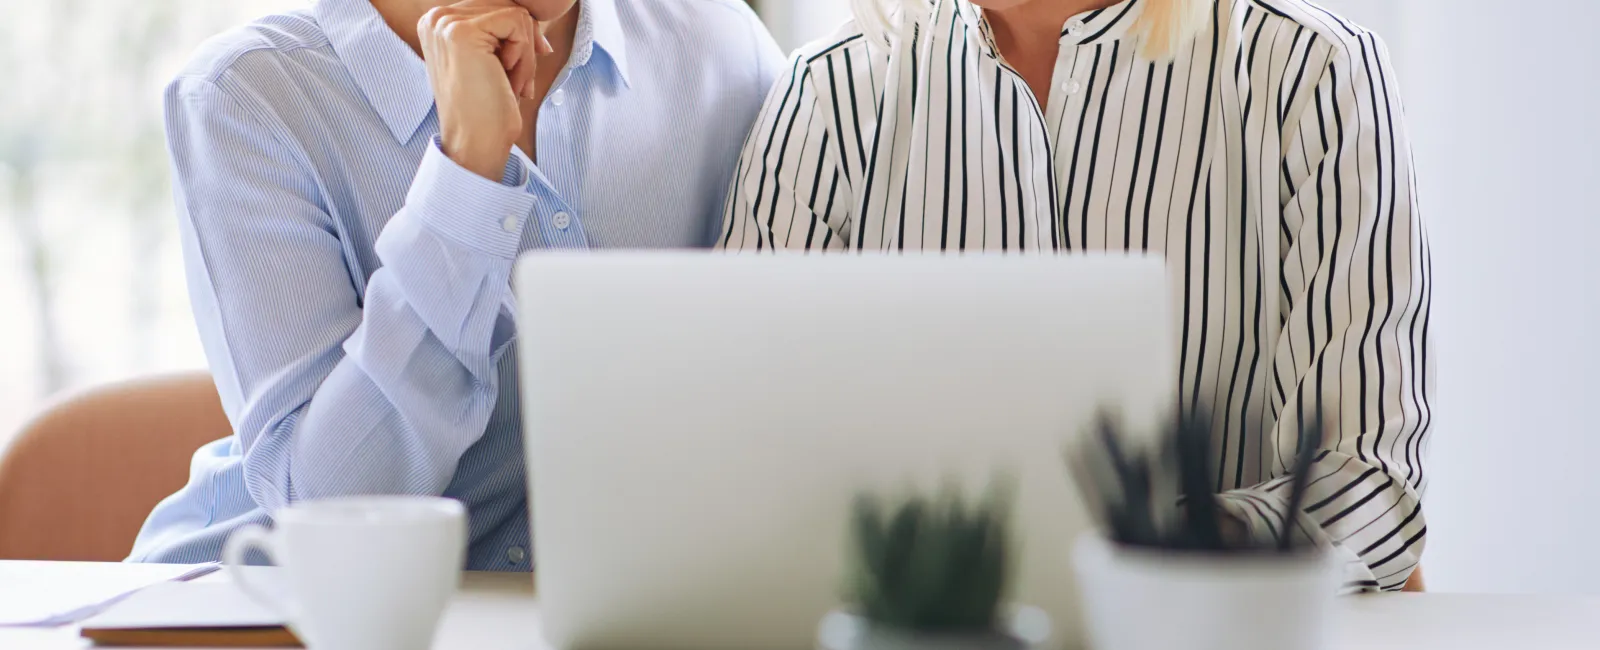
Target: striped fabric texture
column 1268, row 162
column 351, row 283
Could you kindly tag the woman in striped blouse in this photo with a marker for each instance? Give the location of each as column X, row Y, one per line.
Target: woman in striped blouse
column 1257, row 144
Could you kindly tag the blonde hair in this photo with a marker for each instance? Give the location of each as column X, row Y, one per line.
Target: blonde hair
column 1163, row 24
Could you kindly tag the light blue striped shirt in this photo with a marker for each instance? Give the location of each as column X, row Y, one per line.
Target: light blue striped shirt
column 351, row 283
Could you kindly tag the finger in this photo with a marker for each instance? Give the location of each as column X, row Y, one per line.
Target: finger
column 459, row 31
column 428, row 25
column 522, row 74
column 509, row 25
column 544, row 47
column 510, row 57
column 493, row 23
column 523, row 88
column 484, row 5
column 536, row 8
column 505, row 33
column 517, row 48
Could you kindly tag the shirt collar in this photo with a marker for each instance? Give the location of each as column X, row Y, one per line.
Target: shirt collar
column 599, row 25
column 387, row 71
column 1108, row 24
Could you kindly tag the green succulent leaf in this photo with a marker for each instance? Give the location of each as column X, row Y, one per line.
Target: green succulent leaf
column 934, row 564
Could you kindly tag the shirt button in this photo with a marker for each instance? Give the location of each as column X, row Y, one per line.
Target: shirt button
column 510, row 223
column 561, row 220
column 1072, row 87
column 1075, row 28
column 516, row 554
column 558, row 97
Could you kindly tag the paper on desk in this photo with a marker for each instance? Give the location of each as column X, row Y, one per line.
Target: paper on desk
column 36, row 594
column 193, row 605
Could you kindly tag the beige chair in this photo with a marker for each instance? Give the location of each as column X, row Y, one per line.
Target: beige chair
column 78, row 481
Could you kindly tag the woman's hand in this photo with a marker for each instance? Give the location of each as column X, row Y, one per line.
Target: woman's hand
column 481, row 57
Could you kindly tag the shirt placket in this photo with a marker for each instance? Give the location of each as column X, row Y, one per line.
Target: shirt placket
column 558, row 221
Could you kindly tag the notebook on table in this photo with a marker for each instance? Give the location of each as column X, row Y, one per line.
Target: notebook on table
column 195, row 614
column 52, row 594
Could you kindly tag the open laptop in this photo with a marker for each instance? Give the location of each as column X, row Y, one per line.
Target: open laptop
column 697, row 424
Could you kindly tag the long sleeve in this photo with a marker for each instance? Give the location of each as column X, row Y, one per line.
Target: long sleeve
column 338, row 384
column 1354, row 342
column 788, row 191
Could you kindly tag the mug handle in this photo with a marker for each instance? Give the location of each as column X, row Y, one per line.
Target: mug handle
column 241, row 542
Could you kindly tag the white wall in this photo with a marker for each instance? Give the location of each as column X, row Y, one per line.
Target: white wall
column 1500, row 107
column 794, row 22
column 1381, row 16
column 1502, row 114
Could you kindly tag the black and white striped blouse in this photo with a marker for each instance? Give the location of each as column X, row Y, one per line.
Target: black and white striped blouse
column 1268, row 162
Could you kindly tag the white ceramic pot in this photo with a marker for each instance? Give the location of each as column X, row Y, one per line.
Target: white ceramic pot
column 1024, row 628
column 1142, row 599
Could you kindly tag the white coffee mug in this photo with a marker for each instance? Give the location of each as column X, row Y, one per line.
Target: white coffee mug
column 360, row 573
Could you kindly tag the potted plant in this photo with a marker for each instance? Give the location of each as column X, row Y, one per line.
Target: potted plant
column 1214, row 588
column 930, row 574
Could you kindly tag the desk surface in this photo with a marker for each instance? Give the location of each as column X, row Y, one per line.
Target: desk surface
column 497, row 611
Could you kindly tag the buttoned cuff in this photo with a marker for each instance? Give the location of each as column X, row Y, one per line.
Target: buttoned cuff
column 469, row 209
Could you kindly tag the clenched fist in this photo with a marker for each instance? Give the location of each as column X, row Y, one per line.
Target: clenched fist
column 481, row 57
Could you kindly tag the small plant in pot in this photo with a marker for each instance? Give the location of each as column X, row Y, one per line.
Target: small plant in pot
column 930, row 573
column 1168, row 548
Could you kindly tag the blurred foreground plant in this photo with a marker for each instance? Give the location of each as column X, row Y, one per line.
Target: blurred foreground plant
column 934, row 565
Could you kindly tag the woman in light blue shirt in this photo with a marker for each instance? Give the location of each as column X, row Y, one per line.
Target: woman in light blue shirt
column 349, row 240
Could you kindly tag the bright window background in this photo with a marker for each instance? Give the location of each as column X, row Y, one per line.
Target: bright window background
column 91, row 281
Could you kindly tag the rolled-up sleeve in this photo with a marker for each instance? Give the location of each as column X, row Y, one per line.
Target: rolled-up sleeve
column 1354, row 347
column 335, row 384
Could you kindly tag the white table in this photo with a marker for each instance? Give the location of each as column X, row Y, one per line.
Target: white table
column 493, row 611
column 498, row 612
